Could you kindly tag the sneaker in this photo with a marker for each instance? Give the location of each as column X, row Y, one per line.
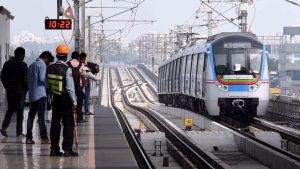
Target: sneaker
column 55, row 153
column 4, row 132
column 69, row 153
column 29, row 141
column 45, row 141
column 81, row 121
column 89, row 113
column 21, row 135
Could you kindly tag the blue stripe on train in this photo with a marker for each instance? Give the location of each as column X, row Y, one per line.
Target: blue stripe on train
column 238, row 88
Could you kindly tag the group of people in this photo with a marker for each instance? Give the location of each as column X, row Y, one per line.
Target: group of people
column 62, row 82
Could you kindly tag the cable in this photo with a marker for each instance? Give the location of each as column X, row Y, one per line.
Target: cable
column 254, row 14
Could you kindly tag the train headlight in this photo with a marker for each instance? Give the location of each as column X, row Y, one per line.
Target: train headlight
column 254, row 86
column 223, row 87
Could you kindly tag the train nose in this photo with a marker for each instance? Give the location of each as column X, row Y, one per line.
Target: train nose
column 238, row 103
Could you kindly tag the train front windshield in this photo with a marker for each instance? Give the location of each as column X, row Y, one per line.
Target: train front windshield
column 237, row 58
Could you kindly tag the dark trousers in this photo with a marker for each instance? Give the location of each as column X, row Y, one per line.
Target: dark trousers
column 80, row 96
column 15, row 103
column 38, row 107
column 87, row 97
column 62, row 111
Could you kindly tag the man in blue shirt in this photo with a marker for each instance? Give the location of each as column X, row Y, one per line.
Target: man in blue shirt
column 37, row 97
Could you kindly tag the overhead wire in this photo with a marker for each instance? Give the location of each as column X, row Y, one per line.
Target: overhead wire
column 254, row 15
column 222, row 13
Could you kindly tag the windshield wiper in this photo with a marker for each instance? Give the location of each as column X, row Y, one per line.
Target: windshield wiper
column 252, row 72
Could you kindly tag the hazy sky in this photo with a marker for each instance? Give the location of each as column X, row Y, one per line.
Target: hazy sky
column 270, row 15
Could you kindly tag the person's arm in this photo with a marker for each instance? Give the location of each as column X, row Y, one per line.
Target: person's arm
column 25, row 76
column 42, row 73
column 70, row 86
column 90, row 75
column 4, row 75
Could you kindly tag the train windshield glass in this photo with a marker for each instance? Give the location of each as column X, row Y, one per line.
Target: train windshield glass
column 233, row 61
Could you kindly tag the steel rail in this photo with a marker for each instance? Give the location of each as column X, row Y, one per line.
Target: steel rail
column 139, row 153
column 248, row 135
column 288, row 136
column 145, row 81
column 143, row 92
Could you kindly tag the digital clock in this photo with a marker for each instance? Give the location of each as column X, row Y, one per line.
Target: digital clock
column 58, row 24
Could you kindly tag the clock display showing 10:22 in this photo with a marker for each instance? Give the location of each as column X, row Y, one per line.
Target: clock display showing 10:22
column 58, row 24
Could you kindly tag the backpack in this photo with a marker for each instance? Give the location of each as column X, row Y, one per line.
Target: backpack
column 76, row 75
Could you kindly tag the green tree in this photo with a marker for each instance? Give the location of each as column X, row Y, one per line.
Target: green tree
column 273, row 64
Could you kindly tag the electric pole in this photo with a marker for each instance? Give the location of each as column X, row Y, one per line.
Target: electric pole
column 59, row 8
column 76, row 26
column 83, row 25
column 243, row 15
column 89, row 36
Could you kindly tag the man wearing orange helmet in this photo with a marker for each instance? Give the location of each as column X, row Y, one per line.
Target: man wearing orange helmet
column 60, row 81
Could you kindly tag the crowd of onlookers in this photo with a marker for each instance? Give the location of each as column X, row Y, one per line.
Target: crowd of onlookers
column 63, row 86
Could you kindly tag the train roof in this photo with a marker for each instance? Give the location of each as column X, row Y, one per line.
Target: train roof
column 226, row 34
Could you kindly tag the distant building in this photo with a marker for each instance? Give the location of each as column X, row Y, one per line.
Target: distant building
column 5, row 17
column 289, row 63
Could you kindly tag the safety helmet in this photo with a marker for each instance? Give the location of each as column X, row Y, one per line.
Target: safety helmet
column 62, row 49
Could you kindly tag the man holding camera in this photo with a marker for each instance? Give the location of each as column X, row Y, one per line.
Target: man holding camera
column 91, row 70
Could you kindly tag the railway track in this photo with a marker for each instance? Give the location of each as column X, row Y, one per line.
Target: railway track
column 137, row 149
column 145, row 81
column 136, row 82
column 199, row 158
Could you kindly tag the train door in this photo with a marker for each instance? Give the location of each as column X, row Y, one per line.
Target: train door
column 193, row 74
column 199, row 77
column 183, row 67
column 188, row 74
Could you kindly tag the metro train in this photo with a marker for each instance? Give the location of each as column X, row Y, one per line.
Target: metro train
column 227, row 75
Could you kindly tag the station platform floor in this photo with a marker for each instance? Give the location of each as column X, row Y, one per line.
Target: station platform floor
column 102, row 144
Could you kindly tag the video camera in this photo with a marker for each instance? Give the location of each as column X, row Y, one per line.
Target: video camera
column 93, row 67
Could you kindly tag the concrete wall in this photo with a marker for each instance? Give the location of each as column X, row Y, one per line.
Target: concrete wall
column 5, row 18
column 285, row 106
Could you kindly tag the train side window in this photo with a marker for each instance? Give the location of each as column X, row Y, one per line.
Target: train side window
column 158, row 80
column 188, row 73
column 205, row 62
column 171, row 77
column 164, row 79
column 197, row 72
column 193, row 72
column 183, row 73
column 174, row 75
column 179, row 73
column 167, row 77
